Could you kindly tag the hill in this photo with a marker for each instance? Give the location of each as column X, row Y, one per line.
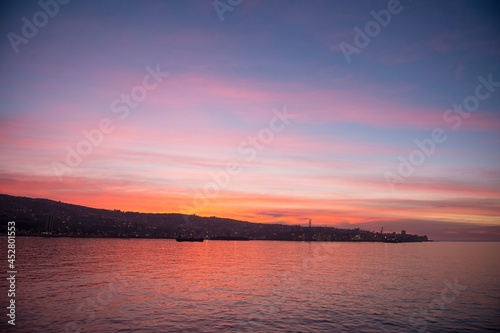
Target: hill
column 37, row 217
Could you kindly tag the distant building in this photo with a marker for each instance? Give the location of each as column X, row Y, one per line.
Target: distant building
column 403, row 232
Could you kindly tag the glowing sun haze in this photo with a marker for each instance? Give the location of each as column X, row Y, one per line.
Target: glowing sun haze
column 260, row 117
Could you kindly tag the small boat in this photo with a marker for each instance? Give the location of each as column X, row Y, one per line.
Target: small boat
column 189, row 239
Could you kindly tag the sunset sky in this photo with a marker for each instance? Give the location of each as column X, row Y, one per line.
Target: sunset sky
column 261, row 117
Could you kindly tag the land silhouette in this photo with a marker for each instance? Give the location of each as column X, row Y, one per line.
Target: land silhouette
column 44, row 217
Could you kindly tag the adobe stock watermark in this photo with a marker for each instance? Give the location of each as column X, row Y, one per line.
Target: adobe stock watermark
column 29, row 29
column 91, row 305
column 263, row 309
column 248, row 149
column 318, row 257
column 372, row 29
column 121, row 107
column 222, row 6
column 426, row 147
column 436, row 307
column 321, row 253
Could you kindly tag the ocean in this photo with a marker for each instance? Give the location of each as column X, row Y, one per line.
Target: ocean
column 160, row 285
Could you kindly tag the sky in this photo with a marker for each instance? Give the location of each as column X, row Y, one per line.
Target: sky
column 350, row 113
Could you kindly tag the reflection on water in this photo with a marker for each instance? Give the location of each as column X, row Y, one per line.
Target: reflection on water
column 108, row 285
